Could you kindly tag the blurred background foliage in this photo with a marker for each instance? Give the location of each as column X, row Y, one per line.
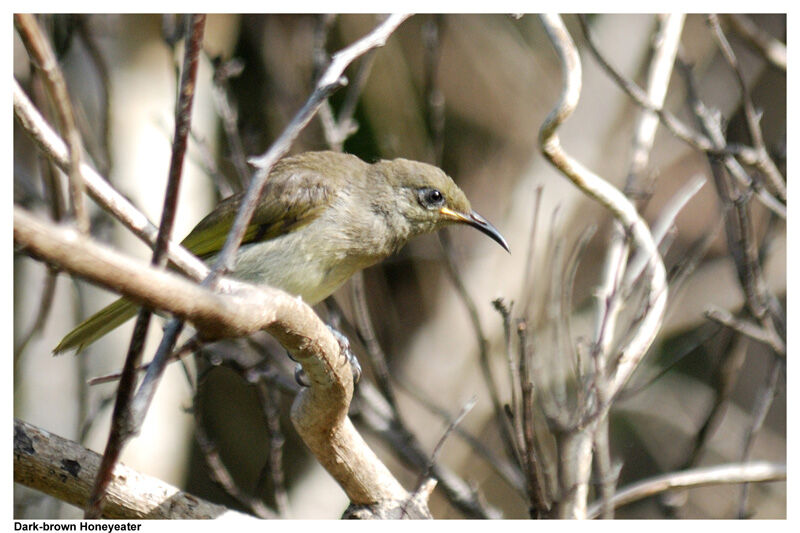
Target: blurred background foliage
column 467, row 92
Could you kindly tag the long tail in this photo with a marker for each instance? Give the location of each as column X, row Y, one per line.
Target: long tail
column 97, row 325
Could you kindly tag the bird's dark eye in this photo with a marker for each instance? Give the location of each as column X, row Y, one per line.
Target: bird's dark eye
column 430, row 197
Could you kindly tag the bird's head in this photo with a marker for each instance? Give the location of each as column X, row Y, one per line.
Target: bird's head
column 429, row 199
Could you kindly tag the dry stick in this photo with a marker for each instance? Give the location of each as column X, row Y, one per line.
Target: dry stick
column 462, row 496
column 754, row 472
column 377, row 357
column 733, row 350
column 395, row 431
column 54, row 198
column 571, row 268
column 220, row 475
column 738, row 226
column 528, row 277
column 608, row 196
column 553, row 404
column 670, row 121
column 514, row 381
column 131, row 405
column 225, row 186
column 434, row 97
column 44, row 58
column 217, row 470
column 766, row 397
column 51, row 145
column 610, row 299
column 425, row 474
column 746, row 328
column 65, row 470
column 773, row 50
column 537, row 488
column 45, row 304
column 660, row 228
column 504, row 469
column 605, row 194
column 764, row 163
column 697, row 140
column 506, row 432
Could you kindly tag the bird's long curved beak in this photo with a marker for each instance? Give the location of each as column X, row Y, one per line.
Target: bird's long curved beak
column 478, row 222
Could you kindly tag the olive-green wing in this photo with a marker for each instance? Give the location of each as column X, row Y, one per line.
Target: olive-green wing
column 288, row 202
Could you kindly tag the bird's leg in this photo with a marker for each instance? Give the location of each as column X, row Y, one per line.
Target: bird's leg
column 299, row 375
column 344, row 345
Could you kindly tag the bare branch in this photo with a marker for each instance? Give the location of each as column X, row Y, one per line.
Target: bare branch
column 44, row 58
column 774, row 50
column 747, row 328
column 319, row 412
column 98, row 187
column 764, row 162
column 713, row 475
column 131, row 405
column 605, row 194
column 66, row 470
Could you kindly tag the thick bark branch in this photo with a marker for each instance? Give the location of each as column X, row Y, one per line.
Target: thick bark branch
column 65, row 470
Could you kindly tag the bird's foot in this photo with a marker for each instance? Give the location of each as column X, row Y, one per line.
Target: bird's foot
column 344, row 345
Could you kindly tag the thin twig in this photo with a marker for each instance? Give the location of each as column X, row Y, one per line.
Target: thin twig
column 764, row 402
column 506, row 432
column 739, row 229
column 434, row 97
column 605, row 194
column 713, row 475
column 217, row 470
column 752, row 118
column 53, row 147
column 329, row 82
column 425, row 475
column 45, row 304
column 131, row 405
column 772, row 49
column 746, row 328
column 44, row 58
column 536, row 483
column 505, row 469
column 377, row 416
column 670, row 121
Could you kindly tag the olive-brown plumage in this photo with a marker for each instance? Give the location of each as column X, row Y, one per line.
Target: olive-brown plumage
column 323, row 216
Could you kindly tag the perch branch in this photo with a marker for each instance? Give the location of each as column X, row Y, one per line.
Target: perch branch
column 320, row 411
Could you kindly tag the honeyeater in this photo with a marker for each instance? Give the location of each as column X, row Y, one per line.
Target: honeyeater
column 322, row 217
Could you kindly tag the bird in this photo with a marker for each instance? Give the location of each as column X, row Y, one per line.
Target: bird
column 322, row 217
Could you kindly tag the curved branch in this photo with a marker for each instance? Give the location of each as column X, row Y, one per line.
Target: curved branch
column 605, row 194
column 319, row 412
